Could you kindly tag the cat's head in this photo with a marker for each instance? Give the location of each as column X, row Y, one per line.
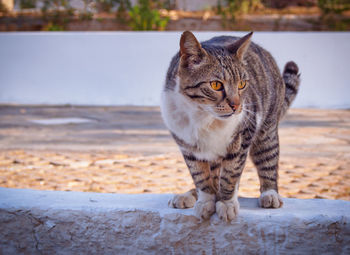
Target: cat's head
column 213, row 76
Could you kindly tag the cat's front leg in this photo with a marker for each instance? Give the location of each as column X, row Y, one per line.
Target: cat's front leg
column 265, row 155
column 200, row 172
column 231, row 169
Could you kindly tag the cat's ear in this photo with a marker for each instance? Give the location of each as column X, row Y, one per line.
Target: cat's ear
column 191, row 51
column 240, row 46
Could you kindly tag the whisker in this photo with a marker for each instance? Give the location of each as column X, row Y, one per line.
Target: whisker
column 248, row 120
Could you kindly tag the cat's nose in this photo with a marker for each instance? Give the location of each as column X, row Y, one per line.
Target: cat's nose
column 234, row 104
column 234, row 107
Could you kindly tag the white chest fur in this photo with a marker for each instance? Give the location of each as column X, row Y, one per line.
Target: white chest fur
column 197, row 127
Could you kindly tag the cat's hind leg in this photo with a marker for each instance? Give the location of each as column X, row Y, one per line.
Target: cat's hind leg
column 185, row 200
column 265, row 155
column 270, row 199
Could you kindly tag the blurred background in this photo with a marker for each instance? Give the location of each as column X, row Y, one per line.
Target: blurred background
column 172, row 15
column 80, row 85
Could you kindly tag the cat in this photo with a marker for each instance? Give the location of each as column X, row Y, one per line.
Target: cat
column 222, row 99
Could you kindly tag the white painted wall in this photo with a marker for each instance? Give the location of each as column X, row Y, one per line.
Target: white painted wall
column 117, row 68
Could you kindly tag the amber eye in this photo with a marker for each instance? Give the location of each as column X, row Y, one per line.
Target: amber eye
column 241, row 84
column 216, row 85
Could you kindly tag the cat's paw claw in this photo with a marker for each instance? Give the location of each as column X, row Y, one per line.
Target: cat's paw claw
column 227, row 210
column 182, row 201
column 204, row 209
column 270, row 199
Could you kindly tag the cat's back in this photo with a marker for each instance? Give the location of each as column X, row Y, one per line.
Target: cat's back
column 220, row 40
column 225, row 40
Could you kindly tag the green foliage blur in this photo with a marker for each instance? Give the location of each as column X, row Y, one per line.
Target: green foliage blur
column 57, row 14
column 145, row 16
column 334, row 6
column 230, row 9
column 332, row 11
column 122, row 14
column 27, row 4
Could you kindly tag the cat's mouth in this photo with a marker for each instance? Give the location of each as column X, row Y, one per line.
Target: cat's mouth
column 234, row 112
column 226, row 115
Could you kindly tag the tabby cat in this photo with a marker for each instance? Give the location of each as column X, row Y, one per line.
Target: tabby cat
column 222, row 99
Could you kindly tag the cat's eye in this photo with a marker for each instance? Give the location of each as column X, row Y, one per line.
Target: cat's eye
column 241, row 84
column 216, row 85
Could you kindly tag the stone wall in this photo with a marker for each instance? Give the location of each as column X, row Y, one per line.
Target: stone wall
column 54, row 222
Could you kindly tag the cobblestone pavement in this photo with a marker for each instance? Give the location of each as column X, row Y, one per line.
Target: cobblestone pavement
column 128, row 150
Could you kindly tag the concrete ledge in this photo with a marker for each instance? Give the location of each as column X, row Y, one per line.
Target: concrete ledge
column 51, row 222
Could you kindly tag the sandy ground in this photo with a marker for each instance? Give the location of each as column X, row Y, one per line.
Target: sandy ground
column 128, row 150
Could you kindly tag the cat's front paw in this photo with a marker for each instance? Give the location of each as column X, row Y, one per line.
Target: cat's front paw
column 270, row 199
column 204, row 209
column 205, row 205
column 183, row 201
column 227, row 210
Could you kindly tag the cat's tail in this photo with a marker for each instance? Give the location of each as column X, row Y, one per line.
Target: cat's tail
column 291, row 79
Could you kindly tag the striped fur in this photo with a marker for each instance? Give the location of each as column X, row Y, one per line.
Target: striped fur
column 217, row 129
